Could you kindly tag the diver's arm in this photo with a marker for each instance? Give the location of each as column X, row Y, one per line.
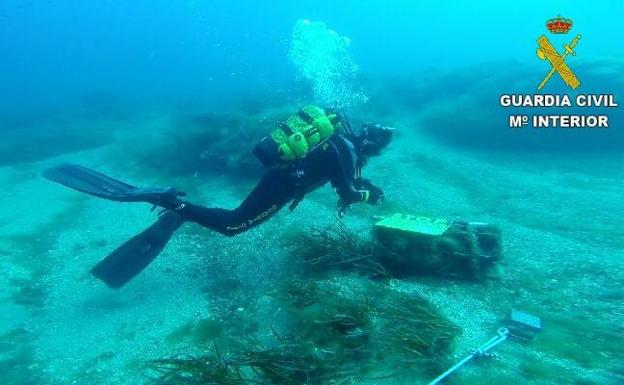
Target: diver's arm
column 348, row 189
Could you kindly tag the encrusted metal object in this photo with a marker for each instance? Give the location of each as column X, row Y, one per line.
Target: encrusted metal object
column 518, row 320
column 418, row 244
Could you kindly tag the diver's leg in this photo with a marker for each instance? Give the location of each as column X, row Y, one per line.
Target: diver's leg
column 274, row 190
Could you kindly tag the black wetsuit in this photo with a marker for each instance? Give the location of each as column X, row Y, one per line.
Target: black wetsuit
column 333, row 161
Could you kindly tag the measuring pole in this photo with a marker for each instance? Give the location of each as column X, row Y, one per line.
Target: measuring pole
column 503, row 333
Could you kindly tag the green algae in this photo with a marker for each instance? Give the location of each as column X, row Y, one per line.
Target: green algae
column 335, row 249
column 332, row 330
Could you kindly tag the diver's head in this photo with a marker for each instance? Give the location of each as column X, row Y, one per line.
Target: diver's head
column 373, row 138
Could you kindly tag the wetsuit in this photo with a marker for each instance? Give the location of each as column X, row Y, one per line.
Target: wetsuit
column 333, row 161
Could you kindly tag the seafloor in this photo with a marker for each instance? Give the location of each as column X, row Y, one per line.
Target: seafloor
column 557, row 200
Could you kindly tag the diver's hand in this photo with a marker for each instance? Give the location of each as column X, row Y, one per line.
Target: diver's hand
column 169, row 199
column 375, row 195
column 365, row 184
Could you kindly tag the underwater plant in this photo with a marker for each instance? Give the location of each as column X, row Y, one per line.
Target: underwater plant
column 463, row 252
column 336, row 330
column 336, row 248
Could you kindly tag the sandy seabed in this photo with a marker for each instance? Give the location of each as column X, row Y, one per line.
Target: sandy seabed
column 563, row 250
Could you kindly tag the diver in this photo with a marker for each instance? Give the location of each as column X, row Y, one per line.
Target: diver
column 312, row 148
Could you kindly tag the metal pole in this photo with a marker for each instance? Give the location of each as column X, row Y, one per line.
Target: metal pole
column 503, row 333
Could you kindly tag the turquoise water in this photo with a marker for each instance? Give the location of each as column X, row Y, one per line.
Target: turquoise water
column 178, row 93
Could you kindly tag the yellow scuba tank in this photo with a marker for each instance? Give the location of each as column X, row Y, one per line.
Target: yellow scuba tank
column 297, row 136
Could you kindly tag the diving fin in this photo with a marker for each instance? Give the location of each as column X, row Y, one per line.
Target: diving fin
column 129, row 259
column 94, row 183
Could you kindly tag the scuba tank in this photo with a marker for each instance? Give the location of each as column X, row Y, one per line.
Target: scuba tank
column 297, row 136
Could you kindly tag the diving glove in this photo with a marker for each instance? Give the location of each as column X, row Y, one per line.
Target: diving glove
column 375, row 193
column 168, row 199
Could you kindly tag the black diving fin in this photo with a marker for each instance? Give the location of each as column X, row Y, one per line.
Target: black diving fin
column 129, row 259
column 94, row 183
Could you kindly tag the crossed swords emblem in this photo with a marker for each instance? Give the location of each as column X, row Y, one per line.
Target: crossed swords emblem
column 546, row 51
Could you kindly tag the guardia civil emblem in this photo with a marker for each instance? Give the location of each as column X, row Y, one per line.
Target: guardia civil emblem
column 546, row 51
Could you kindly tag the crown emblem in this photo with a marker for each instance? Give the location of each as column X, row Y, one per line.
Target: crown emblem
column 559, row 25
